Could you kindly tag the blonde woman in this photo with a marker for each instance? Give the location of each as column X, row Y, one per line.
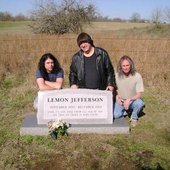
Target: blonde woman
column 129, row 90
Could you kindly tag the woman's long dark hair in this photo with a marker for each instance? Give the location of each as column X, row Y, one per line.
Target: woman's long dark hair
column 132, row 66
column 41, row 65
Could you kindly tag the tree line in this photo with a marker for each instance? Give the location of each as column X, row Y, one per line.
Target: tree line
column 71, row 15
column 6, row 16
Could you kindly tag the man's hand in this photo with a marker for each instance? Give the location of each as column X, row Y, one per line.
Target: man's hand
column 74, row 86
column 110, row 88
column 126, row 104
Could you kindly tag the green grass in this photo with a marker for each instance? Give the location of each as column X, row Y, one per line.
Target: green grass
column 17, row 27
column 152, row 31
column 147, row 147
column 120, row 28
column 11, row 24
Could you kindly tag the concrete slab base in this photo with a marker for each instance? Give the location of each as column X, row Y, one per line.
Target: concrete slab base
column 119, row 126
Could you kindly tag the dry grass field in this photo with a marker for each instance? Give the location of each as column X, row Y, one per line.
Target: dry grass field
column 113, row 26
column 149, row 53
column 148, row 145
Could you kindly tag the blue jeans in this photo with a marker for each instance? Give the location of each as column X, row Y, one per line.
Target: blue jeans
column 136, row 106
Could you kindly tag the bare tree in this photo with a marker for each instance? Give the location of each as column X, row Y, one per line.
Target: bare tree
column 5, row 16
column 135, row 17
column 167, row 14
column 20, row 17
column 55, row 18
column 157, row 16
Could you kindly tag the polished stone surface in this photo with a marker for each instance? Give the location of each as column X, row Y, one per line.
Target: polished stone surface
column 119, row 126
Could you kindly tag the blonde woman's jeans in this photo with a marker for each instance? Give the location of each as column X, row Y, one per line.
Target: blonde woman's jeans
column 135, row 106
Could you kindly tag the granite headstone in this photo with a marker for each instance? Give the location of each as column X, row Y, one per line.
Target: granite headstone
column 88, row 111
column 75, row 106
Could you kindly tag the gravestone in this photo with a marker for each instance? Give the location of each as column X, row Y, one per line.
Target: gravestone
column 75, row 106
column 87, row 111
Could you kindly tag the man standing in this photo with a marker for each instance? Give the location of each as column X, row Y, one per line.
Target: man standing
column 129, row 90
column 91, row 67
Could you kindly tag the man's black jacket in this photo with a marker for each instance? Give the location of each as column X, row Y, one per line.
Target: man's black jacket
column 103, row 65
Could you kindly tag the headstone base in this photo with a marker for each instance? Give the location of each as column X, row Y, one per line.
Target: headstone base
column 119, row 126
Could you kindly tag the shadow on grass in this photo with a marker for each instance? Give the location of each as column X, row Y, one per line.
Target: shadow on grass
column 141, row 114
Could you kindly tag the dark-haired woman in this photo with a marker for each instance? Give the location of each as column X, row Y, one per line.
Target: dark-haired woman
column 49, row 74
